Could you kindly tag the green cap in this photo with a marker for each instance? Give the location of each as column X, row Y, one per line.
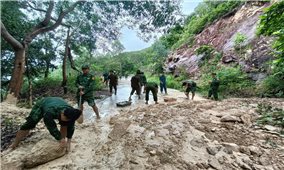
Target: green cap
column 85, row 66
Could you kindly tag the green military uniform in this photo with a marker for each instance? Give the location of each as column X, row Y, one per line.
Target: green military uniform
column 49, row 108
column 143, row 79
column 136, row 84
column 213, row 90
column 153, row 87
column 191, row 86
column 87, row 82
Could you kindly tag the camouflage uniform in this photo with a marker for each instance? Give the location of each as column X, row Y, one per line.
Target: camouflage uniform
column 191, row 86
column 213, row 90
column 136, row 84
column 87, row 82
column 153, row 87
column 49, row 108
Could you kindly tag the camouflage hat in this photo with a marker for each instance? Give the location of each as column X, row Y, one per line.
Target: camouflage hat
column 85, row 66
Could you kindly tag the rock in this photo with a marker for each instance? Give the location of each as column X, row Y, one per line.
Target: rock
column 163, row 133
column 214, row 163
column 264, row 160
column 242, row 164
column 229, row 118
column 245, row 150
column 213, row 150
column 229, row 58
column 170, row 99
column 270, row 128
column 246, row 119
column 119, row 129
column 43, row 152
column 230, row 147
column 255, row 150
column 17, row 165
column 153, row 152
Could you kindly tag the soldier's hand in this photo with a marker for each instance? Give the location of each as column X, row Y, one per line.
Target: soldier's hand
column 81, row 93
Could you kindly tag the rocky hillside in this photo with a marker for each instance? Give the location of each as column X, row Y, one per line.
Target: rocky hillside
column 221, row 35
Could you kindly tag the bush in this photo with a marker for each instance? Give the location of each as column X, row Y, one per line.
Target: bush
column 270, row 115
column 233, row 82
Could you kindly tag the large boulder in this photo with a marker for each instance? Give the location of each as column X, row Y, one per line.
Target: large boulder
column 44, row 151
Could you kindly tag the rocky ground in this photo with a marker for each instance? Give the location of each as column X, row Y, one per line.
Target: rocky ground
column 182, row 134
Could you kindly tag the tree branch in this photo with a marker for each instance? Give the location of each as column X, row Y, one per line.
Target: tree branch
column 9, row 38
column 55, row 25
column 42, row 10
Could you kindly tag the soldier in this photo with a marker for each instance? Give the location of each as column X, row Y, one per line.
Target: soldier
column 51, row 108
column 163, row 83
column 190, row 87
column 153, row 87
column 85, row 85
column 214, row 86
column 113, row 81
column 136, row 85
column 105, row 75
column 143, row 81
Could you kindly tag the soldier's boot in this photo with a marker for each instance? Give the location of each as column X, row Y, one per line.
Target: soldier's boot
column 19, row 136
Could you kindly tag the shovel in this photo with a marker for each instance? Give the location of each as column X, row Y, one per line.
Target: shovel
column 80, row 120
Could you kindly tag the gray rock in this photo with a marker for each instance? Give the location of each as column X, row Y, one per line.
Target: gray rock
column 246, row 119
column 213, row 150
column 263, row 160
column 44, row 151
column 119, row 130
column 214, row 163
column 245, row 150
column 255, row 150
column 229, row 118
column 270, row 128
column 230, row 147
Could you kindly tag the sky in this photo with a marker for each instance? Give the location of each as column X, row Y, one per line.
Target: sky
column 132, row 42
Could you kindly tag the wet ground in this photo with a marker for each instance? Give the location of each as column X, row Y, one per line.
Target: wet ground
column 107, row 106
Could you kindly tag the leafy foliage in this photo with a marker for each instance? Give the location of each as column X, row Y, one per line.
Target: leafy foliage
column 270, row 115
column 239, row 40
column 272, row 24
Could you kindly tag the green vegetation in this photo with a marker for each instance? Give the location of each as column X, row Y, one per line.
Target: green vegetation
column 239, row 41
column 272, row 24
column 270, row 115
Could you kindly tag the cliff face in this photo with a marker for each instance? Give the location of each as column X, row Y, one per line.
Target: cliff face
column 220, row 35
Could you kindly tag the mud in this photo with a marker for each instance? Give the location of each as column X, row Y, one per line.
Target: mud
column 182, row 134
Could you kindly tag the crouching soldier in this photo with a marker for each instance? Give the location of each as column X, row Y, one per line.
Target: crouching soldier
column 190, row 86
column 153, row 87
column 51, row 108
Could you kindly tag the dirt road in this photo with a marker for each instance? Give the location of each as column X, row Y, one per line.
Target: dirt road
column 185, row 134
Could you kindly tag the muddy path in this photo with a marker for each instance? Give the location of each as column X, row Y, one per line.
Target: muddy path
column 184, row 134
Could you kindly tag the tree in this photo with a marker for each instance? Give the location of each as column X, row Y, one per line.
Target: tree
column 20, row 47
column 102, row 21
column 272, row 24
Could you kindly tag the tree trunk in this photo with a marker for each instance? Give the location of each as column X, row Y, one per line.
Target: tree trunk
column 46, row 69
column 18, row 72
column 64, row 71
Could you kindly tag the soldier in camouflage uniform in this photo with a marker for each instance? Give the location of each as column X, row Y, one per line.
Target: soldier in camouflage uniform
column 51, row 108
column 85, row 85
column 153, row 87
column 135, row 85
column 214, row 86
column 190, row 86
